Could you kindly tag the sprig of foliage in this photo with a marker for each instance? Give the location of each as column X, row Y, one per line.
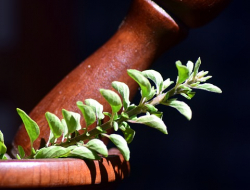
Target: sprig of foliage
column 3, row 148
column 123, row 112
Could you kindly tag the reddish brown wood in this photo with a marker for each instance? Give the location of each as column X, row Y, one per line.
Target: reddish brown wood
column 194, row 13
column 145, row 33
column 63, row 172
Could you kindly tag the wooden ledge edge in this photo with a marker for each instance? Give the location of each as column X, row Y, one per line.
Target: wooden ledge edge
column 63, row 172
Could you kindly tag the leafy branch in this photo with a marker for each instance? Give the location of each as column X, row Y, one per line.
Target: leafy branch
column 123, row 112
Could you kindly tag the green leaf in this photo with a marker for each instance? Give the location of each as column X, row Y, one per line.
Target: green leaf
column 129, row 133
column 113, row 99
column 55, row 124
column 204, row 79
column 141, row 80
column 190, row 66
column 97, row 107
column 101, row 129
column 52, row 152
column 88, row 113
column 72, row 120
column 208, row 87
column 116, row 116
column 132, row 106
column 122, row 125
column 188, row 95
column 166, row 84
column 21, row 151
column 194, row 84
column 52, row 139
column 183, row 72
column 3, row 148
column 115, row 125
column 158, row 114
column 98, row 146
column 155, row 77
column 65, row 128
column 30, row 126
column 3, row 157
column 121, row 144
column 107, row 114
column 1, row 136
column 18, row 157
column 151, row 94
column 125, row 115
column 151, row 108
column 84, row 152
column 184, row 88
column 182, row 107
column 152, row 121
column 196, row 67
column 123, row 89
column 201, row 74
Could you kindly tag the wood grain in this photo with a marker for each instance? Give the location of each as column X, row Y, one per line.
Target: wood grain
column 63, row 172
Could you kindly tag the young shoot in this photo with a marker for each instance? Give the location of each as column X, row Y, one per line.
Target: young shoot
column 123, row 113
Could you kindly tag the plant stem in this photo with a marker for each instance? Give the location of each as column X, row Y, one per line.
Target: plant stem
column 105, row 126
column 141, row 108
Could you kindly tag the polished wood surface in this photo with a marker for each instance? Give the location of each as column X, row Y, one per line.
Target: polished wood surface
column 63, row 172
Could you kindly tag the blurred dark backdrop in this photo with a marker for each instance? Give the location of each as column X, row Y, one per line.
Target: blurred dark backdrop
column 41, row 41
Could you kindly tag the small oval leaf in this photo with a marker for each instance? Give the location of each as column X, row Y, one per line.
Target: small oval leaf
column 183, row 72
column 155, row 77
column 87, row 112
column 113, row 99
column 166, row 84
column 209, row 87
column 3, row 148
column 84, row 152
column 151, row 108
column 30, row 126
column 182, row 107
column 98, row 146
column 55, row 124
column 123, row 89
column 21, row 151
column 141, row 80
column 152, row 121
column 115, row 126
column 1, row 136
column 190, row 66
column 121, row 144
column 196, row 67
column 72, row 120
column 52, row 152
column 129, row 133
column 97, row 107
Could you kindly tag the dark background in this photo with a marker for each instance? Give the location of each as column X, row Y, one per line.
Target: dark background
column 41, row 41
